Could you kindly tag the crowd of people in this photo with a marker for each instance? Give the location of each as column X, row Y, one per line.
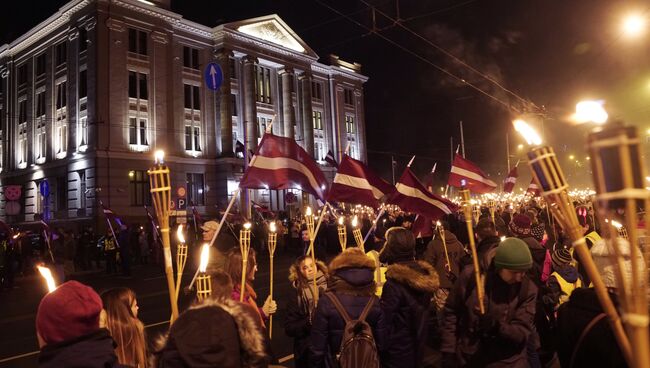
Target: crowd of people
column 406, row 299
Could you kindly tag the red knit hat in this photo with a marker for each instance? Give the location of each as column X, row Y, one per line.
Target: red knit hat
column 69, row 311
column 520, row 226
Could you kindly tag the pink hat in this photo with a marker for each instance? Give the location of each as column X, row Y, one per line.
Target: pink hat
column 69, row 311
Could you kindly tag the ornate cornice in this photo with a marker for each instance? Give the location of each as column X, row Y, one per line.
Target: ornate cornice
column 159, row 37
column 115, row 25
column 175, row 20
column 242, row 39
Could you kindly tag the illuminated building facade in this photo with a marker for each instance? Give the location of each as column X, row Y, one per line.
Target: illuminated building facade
column 89, row 94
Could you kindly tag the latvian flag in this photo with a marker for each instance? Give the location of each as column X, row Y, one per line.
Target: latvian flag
column 533, row 189
column 511, row 180
column 110, row 215
column 356, row 183
column 412, row 196
column 329, row 158
column 468, row 174
column 280, row 163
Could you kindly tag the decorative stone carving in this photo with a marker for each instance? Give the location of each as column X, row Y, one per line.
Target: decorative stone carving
column 159, row 37
column 115, row 25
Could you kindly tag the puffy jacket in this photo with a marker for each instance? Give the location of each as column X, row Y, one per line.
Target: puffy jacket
column 435, row 255
column 351, row 279
column 405, row 303
column 94, row 350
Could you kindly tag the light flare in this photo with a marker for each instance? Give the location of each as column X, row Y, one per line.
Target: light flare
column 526, row 131
column 205, row 257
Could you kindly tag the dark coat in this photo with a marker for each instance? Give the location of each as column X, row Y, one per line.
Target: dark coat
column 509, row 312
column 96, row 349
column 538, row 252
column 435, row 255
column 405, row 302
column 599, row 348
column 298, row 321
column 485, row 250
column 352, row 281
column 214, row 333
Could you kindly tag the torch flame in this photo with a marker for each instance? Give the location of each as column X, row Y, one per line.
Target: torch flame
column 47, row 275
column 159, row 156
column 526, row 131
column 438, row 224
column 617, row 224
column 179, row 233
column 590, row 111
column 272, row 227
column 341, row 220
column 308, row 211
column 247, row 226
column 205, row 257
column 354, row 221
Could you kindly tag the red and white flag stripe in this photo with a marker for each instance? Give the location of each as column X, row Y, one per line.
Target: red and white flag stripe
column 511, row 180
column 411, row 196
column 468, row 174
column 280, row 163
column 356, row 183
column 533, row 189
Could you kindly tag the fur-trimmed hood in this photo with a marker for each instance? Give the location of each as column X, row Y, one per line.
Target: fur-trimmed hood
column 417, row 275
column 242, row 345
column 352, row 272
column 351, row 258
column 294, row 272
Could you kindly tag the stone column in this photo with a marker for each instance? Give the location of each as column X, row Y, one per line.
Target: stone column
column 288, row 114
column 307, row 124
column 223, row 58
column 361, row 125
column 250, row 104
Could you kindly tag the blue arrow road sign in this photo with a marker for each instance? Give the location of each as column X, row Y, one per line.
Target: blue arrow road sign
column 213, row 76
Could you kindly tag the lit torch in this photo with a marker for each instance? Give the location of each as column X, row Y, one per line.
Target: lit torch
column 272, row 242
column 343, row 233
column 356, row 231
column 203, row 281
column 309, row 220
column 467, row 211
column 441, row 232
column 47, row 275
column 244, row 247
column 181, row 258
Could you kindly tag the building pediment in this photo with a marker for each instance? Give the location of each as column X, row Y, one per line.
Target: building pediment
column 272, row 29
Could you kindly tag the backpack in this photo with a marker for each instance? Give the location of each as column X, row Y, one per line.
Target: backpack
column 358, row 347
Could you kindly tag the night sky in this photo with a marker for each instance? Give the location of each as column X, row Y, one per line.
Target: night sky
column 549, row 53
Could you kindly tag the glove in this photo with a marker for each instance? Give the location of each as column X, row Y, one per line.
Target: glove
column 449, row 360
column 269, row 306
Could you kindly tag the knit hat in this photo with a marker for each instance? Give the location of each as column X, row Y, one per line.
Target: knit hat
column 561, row 258
column 70, row 311
column 537, row 231
column 607, row 266
column 400, row 246
column 520, row 226
column 513, row 254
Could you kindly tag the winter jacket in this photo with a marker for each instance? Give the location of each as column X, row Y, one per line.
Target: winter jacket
column 538, row 252
column 405, row 303
column 224, row 334
column 555, row 294
column 351, row 280
column 298, row 321
column 485, row 251
column 599, row 347
column 435, row 255
column 497, row 339
column 96, row 349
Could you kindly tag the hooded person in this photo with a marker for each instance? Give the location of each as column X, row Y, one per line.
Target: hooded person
column 405, row 299
column 584, row 336
column 351, row 282
column 563, row 281
column 499, row 337
column 437, row 254
column 302, row 305
column 68, row 332
column 214, row 333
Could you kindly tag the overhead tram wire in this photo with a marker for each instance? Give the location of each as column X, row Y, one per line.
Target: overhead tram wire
column 507, row 105
column 400, row 24
column 439, row 11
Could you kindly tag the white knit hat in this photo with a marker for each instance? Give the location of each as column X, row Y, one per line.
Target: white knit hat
column 606, row 263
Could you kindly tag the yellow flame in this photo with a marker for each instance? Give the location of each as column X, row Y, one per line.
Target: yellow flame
column 590, row 111
column 47, row 275
column 272, row 227
column 308, row 211
column 205, row 257
column 179, row 233
column 247, row 226
column 526, row 131
column 341, row 220
column 159, row 156
column 355, row 221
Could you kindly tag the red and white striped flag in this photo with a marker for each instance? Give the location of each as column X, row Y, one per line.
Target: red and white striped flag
column 411, row 196
column 356, row 183
column 110, row 215
column 511, row 180
column 468, row 174
column 280, row 163
column 421, row 227
column 533, row 189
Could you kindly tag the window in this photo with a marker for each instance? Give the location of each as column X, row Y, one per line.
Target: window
column 351, row 130
column 82, row 189
column 138, row 87
column 22, row 74
column 138, row 131
column 349, row 124
column 192, row 138
column 195, row 189
column 40, row 140
column 233, row 104
column 61, row 193
column 233, row 69
column 192, row 97
column 61, row 95
column 262, row 123
column 263, row 84
column 22, row 132
column 190, row 57
column 60, row 53
column 348, row 96
column 83, row 39
column 61, row 120
column 40, row 104
column 83, row 131
column 319, row 135
column 137, row 42
column 40, row 65
column 139, row 194
column 317, row 118
column 83, row 84
column 316, row 90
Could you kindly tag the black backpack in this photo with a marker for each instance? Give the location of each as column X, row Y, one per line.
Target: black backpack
column 358, row 347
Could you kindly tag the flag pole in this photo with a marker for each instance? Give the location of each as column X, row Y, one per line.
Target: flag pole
column 311, row 244
column 109, row 225
column 410, row 162
column 374, row 225
column 462, row 138
column 508, row 151
column 392, row 165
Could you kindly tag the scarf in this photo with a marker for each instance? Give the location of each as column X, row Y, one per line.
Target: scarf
column 306, row 294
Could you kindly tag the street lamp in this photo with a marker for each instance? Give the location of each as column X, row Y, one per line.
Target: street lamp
column 634, row 25
column 590, row 111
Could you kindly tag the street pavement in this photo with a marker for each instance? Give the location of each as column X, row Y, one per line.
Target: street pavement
column 18, row 344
